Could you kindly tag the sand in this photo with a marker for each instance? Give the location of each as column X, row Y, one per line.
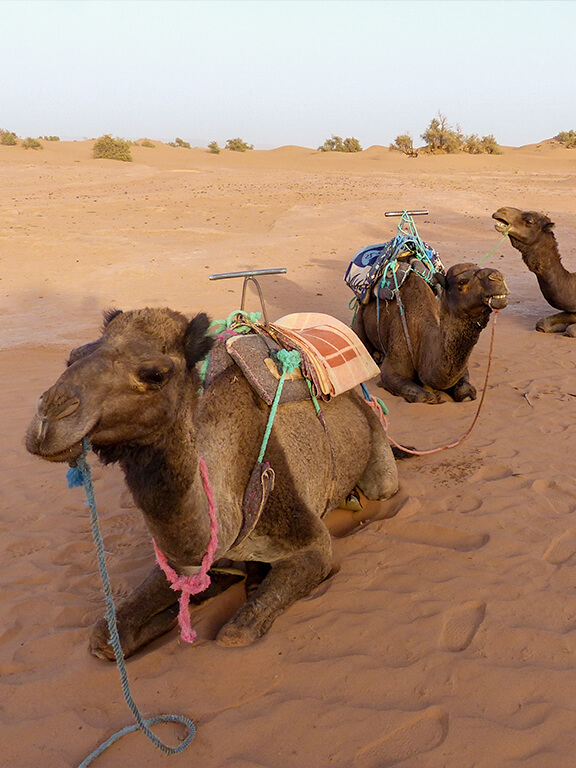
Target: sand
column 447, row 634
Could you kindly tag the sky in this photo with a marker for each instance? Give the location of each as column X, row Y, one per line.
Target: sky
column 282, row 72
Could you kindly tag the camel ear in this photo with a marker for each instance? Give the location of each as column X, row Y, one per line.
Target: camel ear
column 548, row 227
column 109, row 315
column 196, row 343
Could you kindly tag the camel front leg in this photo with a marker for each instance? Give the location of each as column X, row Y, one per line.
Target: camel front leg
column 289, row 579
column 405, row 387
column 557, row 323
column 149, row 612
column 463, row 389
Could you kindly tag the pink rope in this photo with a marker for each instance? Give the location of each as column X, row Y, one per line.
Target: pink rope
column 198, row 582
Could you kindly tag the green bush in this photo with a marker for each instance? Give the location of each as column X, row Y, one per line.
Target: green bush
column 403, row 143
column 213, row 148
column 335, row 144
column 568, row 138
column 30, row 143
column 108, row 148
column 8, row 138
column 179, row 143
column 490, row 145
column 50, row 138
column 238, row 145
column 352, row 145
column 147, row 143
column 440, row 137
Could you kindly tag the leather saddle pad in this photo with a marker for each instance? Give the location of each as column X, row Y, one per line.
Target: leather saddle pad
column 255, row 356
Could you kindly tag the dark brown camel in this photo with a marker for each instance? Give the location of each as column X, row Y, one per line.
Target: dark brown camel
column 531, row 234
column 442, row 332
column 133, row 393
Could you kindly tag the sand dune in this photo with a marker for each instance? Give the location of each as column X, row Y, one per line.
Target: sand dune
column 446, row 636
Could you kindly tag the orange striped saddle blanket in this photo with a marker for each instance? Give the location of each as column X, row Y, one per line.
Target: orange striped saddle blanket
column 333, row 357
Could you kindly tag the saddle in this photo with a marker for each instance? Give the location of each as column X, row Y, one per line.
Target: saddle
column 333, row 360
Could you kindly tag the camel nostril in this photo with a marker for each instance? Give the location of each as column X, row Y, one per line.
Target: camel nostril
column 67, row 408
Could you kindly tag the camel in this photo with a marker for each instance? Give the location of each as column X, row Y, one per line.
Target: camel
column 531, row 234
column 134, row 393
column 442, row 332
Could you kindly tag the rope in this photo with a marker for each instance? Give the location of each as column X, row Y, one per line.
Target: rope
column 199, row 581
column 81, row 475
column 498, row 244
column 474, row 420
column 290, row 360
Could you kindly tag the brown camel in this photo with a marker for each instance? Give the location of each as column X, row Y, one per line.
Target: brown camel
column 531, row 234
column 134, row 394
column 441, row 331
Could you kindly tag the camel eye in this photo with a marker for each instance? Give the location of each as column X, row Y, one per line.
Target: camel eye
column 153, row 375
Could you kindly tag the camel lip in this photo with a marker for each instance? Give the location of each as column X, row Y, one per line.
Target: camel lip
column 501, row 224
column 68, row 455
column 497, row 301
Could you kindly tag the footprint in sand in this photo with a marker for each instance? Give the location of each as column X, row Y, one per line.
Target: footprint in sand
column 439, row 536
column 425, row 732
column 460, row 625
column 562, row 548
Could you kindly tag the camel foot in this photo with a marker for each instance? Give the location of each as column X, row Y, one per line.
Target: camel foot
column 571, row 330
column 463, row 392
column 233, row 636
column 131, row 642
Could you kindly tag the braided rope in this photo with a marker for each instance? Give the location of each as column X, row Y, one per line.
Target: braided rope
column 81, row 475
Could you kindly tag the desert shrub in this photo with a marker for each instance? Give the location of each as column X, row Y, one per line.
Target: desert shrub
column 108, row 148
column 147, row 143
column 238, row 145
column 30, row 143
column 335, row 144
column 490, row 145
column 479, row 146
column 352, row 145
column 213, row 148
column 7, row 138
column 568, row 138
column 440, row 137
column 50, row 138
column 403, row 143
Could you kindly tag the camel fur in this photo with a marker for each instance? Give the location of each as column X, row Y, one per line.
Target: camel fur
column 134, row 394
column 442, row 331
column 532, row 234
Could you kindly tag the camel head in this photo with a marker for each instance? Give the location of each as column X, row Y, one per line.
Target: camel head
column 124, row 389
column 474, row 291
column 524, row 228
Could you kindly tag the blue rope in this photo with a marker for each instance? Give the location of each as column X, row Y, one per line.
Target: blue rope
column 81, row 475
column 290, row 360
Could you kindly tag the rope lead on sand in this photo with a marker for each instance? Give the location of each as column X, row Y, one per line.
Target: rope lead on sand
column 81, row 475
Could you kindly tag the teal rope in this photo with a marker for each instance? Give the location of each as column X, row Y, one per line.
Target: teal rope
column 81, row 475
column 498, row 244
column 290, row 360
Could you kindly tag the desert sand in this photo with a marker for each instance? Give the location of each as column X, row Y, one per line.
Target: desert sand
column 447, row 634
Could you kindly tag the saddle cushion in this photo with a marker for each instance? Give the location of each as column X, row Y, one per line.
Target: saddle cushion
column 333, row 356
column 255, row 356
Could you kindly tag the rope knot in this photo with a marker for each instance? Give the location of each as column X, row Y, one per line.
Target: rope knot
column 290, row 359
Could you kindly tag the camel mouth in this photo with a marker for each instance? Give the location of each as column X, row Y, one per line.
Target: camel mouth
column 68, row 455
column 498, row 301
column 501, row 226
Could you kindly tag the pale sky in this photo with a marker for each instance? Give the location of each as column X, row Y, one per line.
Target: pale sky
column 277, row 72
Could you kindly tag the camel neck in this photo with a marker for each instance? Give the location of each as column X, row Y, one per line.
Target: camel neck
column 542, row 258
column 165, row 482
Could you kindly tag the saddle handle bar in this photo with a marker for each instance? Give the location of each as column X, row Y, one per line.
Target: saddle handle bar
column 401, row 213
column 250, row 275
